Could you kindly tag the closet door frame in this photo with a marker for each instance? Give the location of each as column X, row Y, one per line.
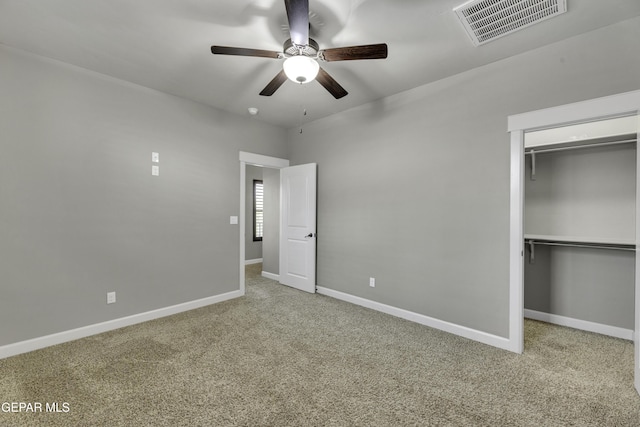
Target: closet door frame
column 627, row 103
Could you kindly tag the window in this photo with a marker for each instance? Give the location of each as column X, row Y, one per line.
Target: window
column 258, row 210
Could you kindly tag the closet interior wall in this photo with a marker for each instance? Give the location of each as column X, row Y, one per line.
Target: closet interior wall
column 583, row 196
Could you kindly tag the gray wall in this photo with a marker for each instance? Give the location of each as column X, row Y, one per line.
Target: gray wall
column 587, row 284
column 271, row 242
column 414, row 189
column 81, row 214
column 587, row 193
column 253, row 250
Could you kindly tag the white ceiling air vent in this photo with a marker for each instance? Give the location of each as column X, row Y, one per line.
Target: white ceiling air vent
column 487, row 20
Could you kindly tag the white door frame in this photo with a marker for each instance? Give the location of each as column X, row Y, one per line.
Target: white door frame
column 610, row 106
column 255, row 160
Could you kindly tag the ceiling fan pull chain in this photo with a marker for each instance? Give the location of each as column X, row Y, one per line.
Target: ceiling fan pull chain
column 304, row 113
column 303, row 107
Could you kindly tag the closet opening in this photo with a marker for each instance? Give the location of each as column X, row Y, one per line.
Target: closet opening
column 579, row 226
column 575, row 219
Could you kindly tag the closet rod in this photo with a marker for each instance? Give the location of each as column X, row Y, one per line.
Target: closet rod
column 578, row 245
column 572, row 147
column 533, row 243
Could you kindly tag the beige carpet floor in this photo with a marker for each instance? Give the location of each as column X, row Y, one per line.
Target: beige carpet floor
column 280, row 357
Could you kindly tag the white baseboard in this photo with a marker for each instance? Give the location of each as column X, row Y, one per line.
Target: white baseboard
column 253, row 261
column 98, row 328
column 613, row 331
column 271, row 276
column 452, row 328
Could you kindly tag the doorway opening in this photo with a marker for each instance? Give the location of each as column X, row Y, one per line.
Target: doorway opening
column 270, row 243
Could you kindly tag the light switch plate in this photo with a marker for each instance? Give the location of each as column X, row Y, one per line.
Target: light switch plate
column 155, row 157
column 111, row 297
column 233, row 220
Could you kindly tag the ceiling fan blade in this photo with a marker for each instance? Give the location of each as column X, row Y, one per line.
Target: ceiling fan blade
column 330, row 84
column 241, row 51
column 298, row 16
column 370, row 51
column 274, row 84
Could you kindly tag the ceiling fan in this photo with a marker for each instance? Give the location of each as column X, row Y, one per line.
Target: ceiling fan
column 301, row 54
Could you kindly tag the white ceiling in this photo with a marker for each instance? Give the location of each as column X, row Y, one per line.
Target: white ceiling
column 165, row 45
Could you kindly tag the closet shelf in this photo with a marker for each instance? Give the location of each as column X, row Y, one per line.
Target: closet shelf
column 531, row 151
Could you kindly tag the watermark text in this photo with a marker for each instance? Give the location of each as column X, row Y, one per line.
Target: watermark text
column 35, row 407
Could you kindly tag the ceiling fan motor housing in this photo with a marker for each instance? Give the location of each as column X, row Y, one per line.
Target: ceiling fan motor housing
column 311, row 49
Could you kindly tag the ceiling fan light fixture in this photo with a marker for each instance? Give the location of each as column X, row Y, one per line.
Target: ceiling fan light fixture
column 302, row 54
column 301, row 69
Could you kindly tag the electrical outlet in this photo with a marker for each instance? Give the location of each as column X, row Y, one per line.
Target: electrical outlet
column 372, row 282
column 111, row 297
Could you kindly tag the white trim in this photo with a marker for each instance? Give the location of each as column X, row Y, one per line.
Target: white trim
column 271, row 276
column 263, row 161
column 252, row 261
column 516, row 267
column 241, row 222
column 636, row 334
column 452, row 328
column 608, row 106
column 584, row 325
column 98, row 328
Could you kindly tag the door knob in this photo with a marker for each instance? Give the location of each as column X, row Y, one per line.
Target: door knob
column 309, row 235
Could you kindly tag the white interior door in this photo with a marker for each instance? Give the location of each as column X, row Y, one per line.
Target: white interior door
column 298, row 227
